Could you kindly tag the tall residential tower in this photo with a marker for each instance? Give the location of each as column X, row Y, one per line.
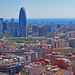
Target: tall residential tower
column 22, row 23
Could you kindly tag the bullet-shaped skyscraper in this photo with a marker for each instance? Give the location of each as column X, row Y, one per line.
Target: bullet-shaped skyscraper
column 22, row 23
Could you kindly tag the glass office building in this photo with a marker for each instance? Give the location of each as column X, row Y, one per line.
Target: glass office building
column 22, row 23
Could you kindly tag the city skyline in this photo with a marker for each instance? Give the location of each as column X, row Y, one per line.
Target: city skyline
column 38, row 8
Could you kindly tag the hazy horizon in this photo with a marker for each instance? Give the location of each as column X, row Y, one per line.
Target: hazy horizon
column 39, row 18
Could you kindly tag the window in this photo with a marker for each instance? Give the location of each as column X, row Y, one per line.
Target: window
column 26, row 57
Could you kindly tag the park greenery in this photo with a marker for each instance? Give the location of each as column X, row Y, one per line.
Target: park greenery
column 1, row 41
column 8, row 36
column 19, row 41
column 27, row 41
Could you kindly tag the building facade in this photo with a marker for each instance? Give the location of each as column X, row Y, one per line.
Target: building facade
column 4, row 27
column 34, row 28
column 48, row 28
column 70, row 34
column 42, row 31
column 1, row 24
column 72, row 42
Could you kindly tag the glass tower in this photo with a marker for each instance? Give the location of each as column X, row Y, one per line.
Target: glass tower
column 22, row 23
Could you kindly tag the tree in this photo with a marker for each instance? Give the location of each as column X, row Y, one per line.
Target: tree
column 0, row 37
column 73, row 49
column 65, row 51
column 1, row 41
column 8, row 36
column 19, row 41
column 62, row 36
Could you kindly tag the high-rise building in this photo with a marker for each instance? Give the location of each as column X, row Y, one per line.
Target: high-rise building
column 34, row 28
column 48, row 28
column 16, row 32
column 4, row 27
column 42, row 31
column 58, row 26
column 15, row 26
column 1, row 24
column 22, row 23
column 1, row 21
column 9, row 28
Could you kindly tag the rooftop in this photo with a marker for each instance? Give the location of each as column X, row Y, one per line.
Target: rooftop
column 59, row 72
column 62, row 48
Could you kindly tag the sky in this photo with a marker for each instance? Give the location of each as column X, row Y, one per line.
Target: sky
column 38, row 8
